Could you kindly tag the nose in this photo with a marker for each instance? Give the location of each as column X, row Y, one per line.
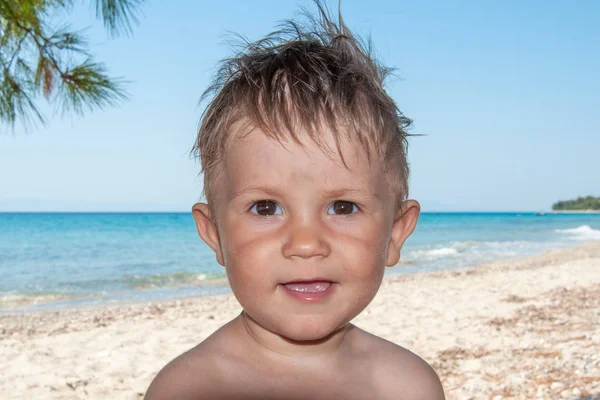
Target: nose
column 305, row 239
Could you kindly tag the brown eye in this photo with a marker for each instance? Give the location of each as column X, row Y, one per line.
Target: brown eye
column 265, row 208
column 341, row 207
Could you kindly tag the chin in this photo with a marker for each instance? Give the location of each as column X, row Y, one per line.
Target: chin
column 308, row 331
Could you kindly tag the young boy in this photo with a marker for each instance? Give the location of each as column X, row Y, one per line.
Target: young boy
column 305, row 174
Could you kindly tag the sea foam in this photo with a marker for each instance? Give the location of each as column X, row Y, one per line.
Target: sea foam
column 583, row 232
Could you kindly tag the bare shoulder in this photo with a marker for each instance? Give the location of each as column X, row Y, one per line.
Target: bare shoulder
column 409, row 374
column 400, row 373
column 192, row 375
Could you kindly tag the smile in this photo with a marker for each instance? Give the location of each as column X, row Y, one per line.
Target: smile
column 313, row 290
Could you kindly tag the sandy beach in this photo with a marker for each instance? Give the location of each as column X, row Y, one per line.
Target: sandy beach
column 526, row 328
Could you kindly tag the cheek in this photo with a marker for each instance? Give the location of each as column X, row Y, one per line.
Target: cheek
column 243, row 243
column 365, row 247
column 248, row 256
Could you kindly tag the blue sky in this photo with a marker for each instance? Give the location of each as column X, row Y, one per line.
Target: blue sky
column 506, row 92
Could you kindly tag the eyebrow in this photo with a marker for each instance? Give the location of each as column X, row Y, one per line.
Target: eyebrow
column 333, row 193
column 251, row 188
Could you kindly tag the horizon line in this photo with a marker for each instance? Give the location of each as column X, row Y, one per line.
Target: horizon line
column 189, row 211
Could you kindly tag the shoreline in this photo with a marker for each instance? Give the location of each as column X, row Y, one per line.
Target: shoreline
column 520, row 328
column 562, row 254
column 64, row 303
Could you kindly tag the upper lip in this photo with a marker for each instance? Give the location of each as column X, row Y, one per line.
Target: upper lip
column 308, row 280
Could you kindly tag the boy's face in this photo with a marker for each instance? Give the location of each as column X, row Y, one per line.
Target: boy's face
column 304, row 238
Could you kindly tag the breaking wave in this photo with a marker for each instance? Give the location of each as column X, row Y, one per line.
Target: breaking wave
column 583, row 232
column 468, row 253
column 172, row 280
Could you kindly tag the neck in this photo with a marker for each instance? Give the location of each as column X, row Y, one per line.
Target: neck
column 277, row 345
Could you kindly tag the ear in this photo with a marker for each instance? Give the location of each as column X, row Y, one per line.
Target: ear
column 404, row 224
column 207, row 229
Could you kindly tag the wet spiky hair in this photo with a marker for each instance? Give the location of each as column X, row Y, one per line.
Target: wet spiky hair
column 306, row 78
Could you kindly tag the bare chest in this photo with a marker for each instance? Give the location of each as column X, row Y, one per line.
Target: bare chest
column 291, row 383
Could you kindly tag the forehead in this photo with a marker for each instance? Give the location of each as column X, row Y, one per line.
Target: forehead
column 253, row 159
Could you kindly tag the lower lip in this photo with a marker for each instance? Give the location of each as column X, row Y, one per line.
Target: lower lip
column 310, row 296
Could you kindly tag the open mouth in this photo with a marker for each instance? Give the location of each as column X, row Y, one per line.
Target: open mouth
column 308, row 287
column 309, row 291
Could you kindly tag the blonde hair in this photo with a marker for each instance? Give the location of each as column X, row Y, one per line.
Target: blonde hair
column 305, row 77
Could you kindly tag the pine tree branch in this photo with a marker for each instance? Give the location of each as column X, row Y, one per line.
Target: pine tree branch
column 70, row 84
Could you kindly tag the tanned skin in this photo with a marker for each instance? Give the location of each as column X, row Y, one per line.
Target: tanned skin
column 284, row 214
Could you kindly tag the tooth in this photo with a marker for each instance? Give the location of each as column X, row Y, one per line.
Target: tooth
column 311, row 287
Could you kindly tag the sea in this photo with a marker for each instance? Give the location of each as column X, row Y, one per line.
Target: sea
column 66, row 260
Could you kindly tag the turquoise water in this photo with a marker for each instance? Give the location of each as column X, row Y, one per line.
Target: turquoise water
column 69, row 259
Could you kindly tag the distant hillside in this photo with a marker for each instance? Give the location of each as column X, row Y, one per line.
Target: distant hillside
column 581, row 203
